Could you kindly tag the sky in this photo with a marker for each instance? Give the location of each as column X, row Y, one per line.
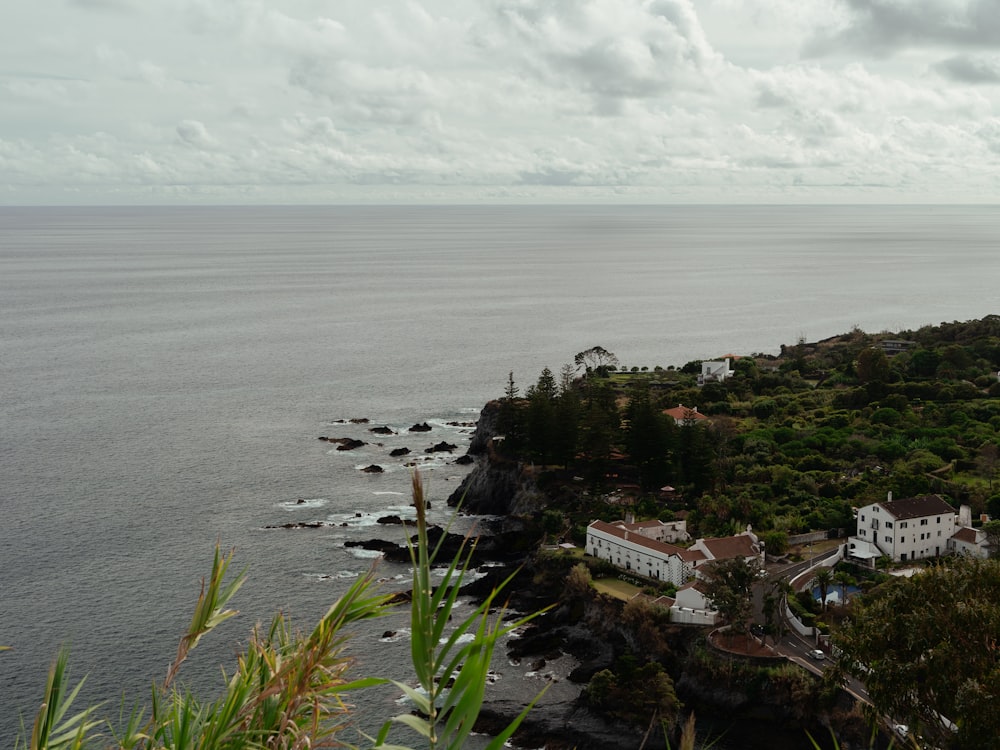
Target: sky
column 465, row 101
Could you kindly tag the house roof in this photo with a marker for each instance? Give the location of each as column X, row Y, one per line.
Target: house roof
column 916, row 507
column 966, row 534
column 697, row 584
column 726, row 547
column 651, row 524
column 684, row 412
column 635, row 537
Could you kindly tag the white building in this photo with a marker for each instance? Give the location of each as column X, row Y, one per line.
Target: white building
column 969, row 541
column 910, row 528
column 715, row 371
column 626, row 547
column 635, row 547
column 691, row 606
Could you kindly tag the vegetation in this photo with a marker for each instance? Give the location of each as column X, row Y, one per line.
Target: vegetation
column 290, row 690
column 926, row 648
column 793, row 443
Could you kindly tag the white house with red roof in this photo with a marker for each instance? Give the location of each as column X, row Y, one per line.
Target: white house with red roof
column 632, row 547
column 626, row 547
column 745, row 545
column 684, row 415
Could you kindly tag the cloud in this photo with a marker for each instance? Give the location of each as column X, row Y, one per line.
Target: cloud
column 883, row 27
column 966, row 69
column 611, row 49
column 195, row 134
column 126, row 6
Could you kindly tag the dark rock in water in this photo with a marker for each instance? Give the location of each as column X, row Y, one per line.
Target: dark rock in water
column 361, row 420
column 373, row 469
column 422, row 427
column 374, row 545
column 391, row 520
column 299, row 525
column 465, row 460
column 389, row 634
column 323, row 437
column 381, row 431
column 461, row 424
column 345, row 444
column 300, row 501
column 396, row 452
column 441, row 447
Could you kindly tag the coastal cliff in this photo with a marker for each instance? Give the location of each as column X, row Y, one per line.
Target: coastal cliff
column 496, row 485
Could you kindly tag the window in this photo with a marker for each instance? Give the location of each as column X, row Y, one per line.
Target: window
column 939, row 533
column 862, row 518
column 939, row 519
column 889, row 539
column 902, row 524
column 923, row 521
column 863, row 532
column 888, row 524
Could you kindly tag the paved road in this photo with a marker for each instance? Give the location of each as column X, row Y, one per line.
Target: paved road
column 791, row 645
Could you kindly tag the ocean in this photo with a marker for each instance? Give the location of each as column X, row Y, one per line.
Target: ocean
column 165, row 374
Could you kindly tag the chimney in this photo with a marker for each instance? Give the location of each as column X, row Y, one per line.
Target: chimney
column 889, row 498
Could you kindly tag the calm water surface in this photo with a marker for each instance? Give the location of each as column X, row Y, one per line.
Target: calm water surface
column 165, row 373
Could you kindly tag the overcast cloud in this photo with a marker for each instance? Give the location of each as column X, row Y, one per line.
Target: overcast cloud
column 233, row 101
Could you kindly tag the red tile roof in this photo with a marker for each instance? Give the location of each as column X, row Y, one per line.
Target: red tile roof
column 724, row 548
column 684, row 412
column 965, row 534
column 644, row 541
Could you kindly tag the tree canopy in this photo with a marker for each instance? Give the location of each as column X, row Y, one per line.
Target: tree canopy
column 928, row 651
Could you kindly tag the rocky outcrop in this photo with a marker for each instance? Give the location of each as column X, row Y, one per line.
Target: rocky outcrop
column 421, row 427
column 495, row 486
column 442, row 447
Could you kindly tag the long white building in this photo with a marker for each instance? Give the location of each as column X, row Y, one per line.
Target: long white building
column 638, row 547
column 626, row 547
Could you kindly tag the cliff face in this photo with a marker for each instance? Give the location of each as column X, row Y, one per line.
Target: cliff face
column 495, row 486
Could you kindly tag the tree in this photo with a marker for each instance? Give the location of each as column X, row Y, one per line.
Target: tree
column 992, row 529
column 649, row 440
column 928, row 650
column 987, row 461
column 567, row 376
column 546, row 385
column 730, row 590
column 872, row 365
column 596, row 359
column 823, row 579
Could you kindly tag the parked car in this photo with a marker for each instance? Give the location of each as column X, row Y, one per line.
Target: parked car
column 817, row 655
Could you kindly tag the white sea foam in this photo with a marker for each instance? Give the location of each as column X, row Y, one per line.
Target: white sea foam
column 339, row 575
column 312, row 502
column 363, row 554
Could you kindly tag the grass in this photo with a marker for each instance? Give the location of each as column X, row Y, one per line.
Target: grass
column 616, row 588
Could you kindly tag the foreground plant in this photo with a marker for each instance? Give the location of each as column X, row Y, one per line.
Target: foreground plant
column 451, row 673
column 289, row 690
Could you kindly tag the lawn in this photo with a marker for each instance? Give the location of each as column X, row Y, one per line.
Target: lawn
column 616, row 588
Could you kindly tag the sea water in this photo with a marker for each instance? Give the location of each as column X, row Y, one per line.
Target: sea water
column 165, row 374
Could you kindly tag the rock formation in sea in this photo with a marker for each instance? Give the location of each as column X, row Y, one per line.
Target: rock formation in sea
column 496, row 485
